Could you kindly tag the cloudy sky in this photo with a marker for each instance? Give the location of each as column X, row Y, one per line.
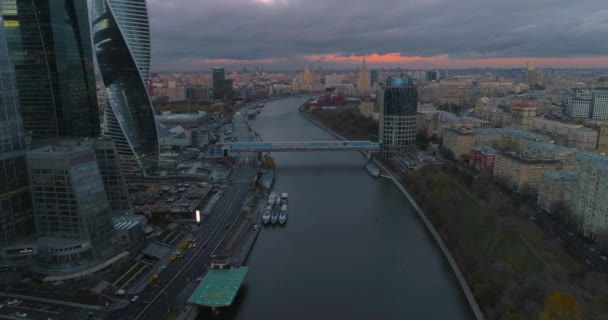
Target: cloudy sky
column 288, row 34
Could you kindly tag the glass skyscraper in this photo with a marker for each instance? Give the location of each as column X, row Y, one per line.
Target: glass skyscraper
column 218, row 77
column 49, row 44
column 121, row 36
column 398, row 103
column 15, row 203
column 73, row 219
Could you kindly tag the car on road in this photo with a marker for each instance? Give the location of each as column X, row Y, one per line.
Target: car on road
column 21, row 314
column 570, row 234
column 154, row 277
column 162, row 267
column 588, row 262
column 604, row 258
column 592, row 249
column 134, row 298
column 13, row 302
column 255, row 227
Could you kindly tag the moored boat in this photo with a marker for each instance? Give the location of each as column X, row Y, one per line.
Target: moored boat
column 283, row 214
column 266, row 216
column 371, row 168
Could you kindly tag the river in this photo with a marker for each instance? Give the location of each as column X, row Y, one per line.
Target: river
column 353, row 247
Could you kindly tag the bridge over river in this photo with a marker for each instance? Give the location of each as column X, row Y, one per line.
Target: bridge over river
column 227, row 149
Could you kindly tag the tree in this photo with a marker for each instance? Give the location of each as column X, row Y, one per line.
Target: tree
column 270, row 163
column 562, row 306
column 440, row 182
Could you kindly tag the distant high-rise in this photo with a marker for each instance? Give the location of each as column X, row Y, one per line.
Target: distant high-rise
column 398, row 103
column 122, row 44
column 15, row 204
column 375, row 77
column 363, row 80
column 218, row 79
column 73, row 220
column 49, row 44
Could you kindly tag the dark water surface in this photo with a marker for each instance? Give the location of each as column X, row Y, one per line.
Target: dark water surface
column 353, row 248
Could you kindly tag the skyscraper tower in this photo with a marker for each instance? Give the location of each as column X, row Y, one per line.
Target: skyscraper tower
column 398, row 103
column 218, row 77
column 49, row 44
column 122, row 45
column 363, row 82
column 15, row 204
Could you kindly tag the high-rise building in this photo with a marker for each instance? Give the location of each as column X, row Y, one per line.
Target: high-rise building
column 374, row 77
column 111, row 174
column 122, row 44
column 49, row 44
column 15, row 204
column 398, row 103
column 218, row 77
column 228, row 89
column 73, row 220
column 363, row 80
column 600, row 105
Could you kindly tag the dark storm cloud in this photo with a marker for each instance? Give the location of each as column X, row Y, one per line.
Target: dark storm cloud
column 185, row 31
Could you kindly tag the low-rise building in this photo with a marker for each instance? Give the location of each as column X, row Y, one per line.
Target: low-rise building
column 549, row 151
column 589, row 199
column 459, row 141
column 524, row 174
column 566, row 134
column 554, row 191
column 482, row 158
column 506, row 138
column 186, row 120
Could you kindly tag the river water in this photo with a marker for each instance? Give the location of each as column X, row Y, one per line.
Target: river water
column 352, row 248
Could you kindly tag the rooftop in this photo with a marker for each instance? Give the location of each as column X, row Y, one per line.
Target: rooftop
column 550, row 150
column 181, row 116
column 522, row 159
column 564, row 175
column 511, row 132
column 219, row 287
column 594, row 160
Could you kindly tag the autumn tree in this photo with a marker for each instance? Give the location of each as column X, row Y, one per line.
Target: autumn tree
column 270, row 163
column 562, row 306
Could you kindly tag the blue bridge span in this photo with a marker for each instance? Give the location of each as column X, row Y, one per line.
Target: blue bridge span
column 299, row 146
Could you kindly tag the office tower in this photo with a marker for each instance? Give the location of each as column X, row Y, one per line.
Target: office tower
column 49, row 44
column 218, row 77
column 228, row 89
column 363, row 80
column 73, row 221
column 15, row 203
column 600, row 105
column 375, row 77
column 111, row 174
column 122, row 45
column 398, row 108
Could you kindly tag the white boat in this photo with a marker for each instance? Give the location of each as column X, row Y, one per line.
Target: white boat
column 375, row 172
column 274, row 216
column 272, row 198
column 283, row 214
column 266, row 216
column 284, row 196
column 277, row 202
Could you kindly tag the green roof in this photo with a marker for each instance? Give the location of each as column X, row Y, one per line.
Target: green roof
column 219, row 287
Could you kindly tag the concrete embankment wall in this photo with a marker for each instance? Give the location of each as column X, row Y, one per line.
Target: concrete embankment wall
column 444, row 249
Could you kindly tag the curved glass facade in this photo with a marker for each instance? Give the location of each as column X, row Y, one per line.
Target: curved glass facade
column 15, row 203
column 122, row 46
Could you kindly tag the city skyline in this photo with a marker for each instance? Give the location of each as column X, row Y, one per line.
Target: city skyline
column 288, row 34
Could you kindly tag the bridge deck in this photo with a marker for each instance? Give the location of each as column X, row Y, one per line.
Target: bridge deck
column 303, row 146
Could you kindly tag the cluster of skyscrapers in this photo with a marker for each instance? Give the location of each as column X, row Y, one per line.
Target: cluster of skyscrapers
column 61, row 183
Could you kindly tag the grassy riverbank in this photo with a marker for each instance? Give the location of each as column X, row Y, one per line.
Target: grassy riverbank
column 347, row 121
column 511, row 267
